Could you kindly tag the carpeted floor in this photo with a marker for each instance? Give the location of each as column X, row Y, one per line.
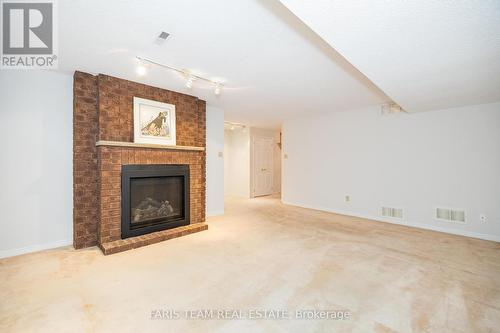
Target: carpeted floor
column 262, row 258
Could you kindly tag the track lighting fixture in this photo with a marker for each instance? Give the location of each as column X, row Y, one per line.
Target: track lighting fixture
column 142, row 70
column 232, row 126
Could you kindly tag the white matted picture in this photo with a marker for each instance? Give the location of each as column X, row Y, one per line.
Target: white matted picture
column 154, row 122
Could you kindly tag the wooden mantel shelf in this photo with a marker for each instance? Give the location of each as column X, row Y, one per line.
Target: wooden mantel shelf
column 145, row 145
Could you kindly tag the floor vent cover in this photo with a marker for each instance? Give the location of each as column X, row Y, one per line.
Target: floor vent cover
column 450, row 215
column 392, row 212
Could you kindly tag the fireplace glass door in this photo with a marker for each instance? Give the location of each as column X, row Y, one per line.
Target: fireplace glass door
column 154, row 198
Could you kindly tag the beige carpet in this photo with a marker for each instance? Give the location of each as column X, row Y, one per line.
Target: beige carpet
column 262, row 255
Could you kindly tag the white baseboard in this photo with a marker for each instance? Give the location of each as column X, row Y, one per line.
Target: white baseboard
column 447, row 230
column 34, row 248
column 215, row 213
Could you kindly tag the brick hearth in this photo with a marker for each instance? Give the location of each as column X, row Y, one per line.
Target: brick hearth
column 154, row 237
column 103, row 111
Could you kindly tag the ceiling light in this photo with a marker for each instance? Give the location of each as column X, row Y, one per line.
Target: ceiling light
column 184, row 72
column 233, row 126
column 189, row 82
column 217, row 89
column 391, row 107
column 141, row 69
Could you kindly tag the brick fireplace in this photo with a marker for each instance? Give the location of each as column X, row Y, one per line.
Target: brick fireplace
column 103, row 147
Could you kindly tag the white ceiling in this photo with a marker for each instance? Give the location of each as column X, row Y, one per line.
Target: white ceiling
column 275, row 66
column 424, row 54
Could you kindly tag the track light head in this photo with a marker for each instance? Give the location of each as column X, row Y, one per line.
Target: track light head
column 189, row 82
column 141, row 69
column 217, row 89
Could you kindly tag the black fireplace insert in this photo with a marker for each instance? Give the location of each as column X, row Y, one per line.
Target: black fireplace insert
column 154, row 197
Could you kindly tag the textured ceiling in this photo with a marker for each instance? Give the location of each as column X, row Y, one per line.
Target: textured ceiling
column 424, row 54
column 275, row 66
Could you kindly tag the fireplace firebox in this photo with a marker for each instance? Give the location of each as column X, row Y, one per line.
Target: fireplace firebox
column 154, row 197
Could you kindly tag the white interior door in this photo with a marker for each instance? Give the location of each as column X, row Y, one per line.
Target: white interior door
column 262, row 166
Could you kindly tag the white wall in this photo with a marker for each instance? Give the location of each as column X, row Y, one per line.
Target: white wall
column 237, row 162
column 419, row 161
column 273, row 134
column 215, row 163
column 36, row 110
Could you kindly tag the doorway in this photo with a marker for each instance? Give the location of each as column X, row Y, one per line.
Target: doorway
column 252, row 161
column 263, row 166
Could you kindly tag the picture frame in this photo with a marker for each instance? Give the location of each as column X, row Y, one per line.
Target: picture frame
column 154, row 122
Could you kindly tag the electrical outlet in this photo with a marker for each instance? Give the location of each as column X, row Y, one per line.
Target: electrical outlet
column 347, row 198
column 482, row 218
column 221, row 154
column 285, row 156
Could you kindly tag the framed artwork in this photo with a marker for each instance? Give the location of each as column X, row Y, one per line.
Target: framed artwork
column 154, row 122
